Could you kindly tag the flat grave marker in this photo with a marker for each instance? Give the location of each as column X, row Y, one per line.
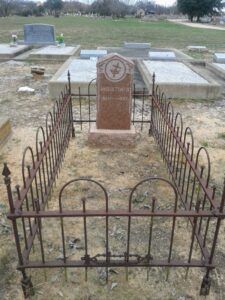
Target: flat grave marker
column 88, row 53
column 134, row 45
column 197, row 48
column 162, row 55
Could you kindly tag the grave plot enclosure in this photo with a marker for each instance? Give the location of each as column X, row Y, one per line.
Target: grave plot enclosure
column 192, row 200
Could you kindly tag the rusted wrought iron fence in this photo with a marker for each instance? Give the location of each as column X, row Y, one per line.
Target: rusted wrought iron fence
column 84, row 106
column 191, row 200
column 40, row 167
column 190, row 173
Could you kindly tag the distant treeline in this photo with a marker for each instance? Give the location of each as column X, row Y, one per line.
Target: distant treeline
column 114, row 8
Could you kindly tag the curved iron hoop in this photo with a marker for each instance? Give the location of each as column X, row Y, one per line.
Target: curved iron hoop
column 90, row 83
column 169, row 109
column 23, row 162
column 153, row 179
column 208, row 161
column 49, row 113
column 82, row 179
column 181, row 123
column 37, row 142
column 188, row 131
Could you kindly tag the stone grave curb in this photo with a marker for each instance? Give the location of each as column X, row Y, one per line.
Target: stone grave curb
column 183, row 91
column 33, row 56
column 55, row 87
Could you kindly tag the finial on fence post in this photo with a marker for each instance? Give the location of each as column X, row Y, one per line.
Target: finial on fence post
column 6, row 172
column 69, row 82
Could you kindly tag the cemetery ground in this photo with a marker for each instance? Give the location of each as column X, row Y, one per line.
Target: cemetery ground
column 92, row 32
column 117, row 169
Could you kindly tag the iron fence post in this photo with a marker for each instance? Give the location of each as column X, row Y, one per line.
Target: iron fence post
column 71, row 105
column 27, row 285
column 153, row 95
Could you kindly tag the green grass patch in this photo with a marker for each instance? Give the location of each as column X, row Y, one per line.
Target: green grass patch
column 221, row 135
column 92, row 32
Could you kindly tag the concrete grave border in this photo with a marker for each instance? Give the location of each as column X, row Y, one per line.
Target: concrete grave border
column 215, row 68
column 17, row 51
column 34, row 55
column 55, row 86
column 181, row 90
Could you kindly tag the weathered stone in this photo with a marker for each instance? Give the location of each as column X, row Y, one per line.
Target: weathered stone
column 81, row 73
column 114, row 90
column 7, row 52
column 135, row 45
column 197, row 48
column 219, row 58
column 43, row 34
column 179, row 80
column 54, row 53
column 114, row 102
column 87, row 54
column 162, row 55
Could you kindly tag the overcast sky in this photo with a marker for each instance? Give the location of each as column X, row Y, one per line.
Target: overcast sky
column 165, row 2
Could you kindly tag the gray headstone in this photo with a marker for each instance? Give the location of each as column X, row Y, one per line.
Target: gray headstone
column 219, row 58
column 92, row 53
column 162, row 55
column 39, row 34
column 134, row 45
column 198, row 48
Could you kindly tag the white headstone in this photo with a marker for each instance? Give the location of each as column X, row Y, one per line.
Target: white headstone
column 219, row 58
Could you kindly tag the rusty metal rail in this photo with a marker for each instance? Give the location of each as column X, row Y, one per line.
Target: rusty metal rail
column 191, row 199
column 40, row 168
column 84, row 107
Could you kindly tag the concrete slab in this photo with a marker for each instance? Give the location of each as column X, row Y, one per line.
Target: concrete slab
column 54, row 53
column 178, row 80
column 5, row 129
column 112, row 137
column 163, row 55
column 7, row 52
column 81, row 73
column 219, row 58
column 135, row 45
column 216, row 68
column 88, row 53
column 197, row 48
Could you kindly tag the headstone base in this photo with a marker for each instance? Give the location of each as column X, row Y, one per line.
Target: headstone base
column 112, row 137
column 5, row 129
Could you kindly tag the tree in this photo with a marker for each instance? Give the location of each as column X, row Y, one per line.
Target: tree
column 114, row 8
column 5, row 7
column 199, row 8
column 54, row 6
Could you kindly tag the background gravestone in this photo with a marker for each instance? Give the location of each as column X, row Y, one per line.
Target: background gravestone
column 114, row 92
column 39, row 34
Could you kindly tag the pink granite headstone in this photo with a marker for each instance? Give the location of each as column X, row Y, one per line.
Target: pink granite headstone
column 114, row 92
